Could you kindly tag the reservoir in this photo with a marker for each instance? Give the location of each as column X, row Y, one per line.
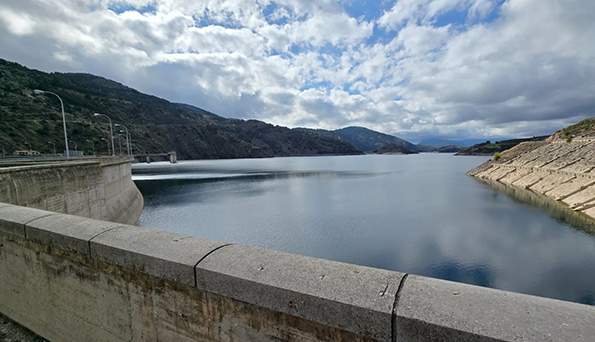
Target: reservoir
column 416, row 214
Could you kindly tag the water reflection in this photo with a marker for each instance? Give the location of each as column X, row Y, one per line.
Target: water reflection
column 555, row 209
column 417, row 214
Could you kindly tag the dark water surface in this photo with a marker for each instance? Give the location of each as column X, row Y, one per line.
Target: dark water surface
column 417, row 214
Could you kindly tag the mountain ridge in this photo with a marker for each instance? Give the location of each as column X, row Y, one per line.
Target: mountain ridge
column 156, row 125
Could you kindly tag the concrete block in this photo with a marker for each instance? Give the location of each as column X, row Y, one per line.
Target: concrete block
column 67, row 232
column 437, row 310
column 162, row 254
column 13, row 218
column 349, row 297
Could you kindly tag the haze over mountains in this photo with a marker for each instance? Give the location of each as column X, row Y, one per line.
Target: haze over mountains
column 156, row 125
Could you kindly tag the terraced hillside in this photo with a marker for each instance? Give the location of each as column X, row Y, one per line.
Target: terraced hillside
column 561, row 169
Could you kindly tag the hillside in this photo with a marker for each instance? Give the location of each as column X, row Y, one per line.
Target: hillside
column 585, row 128
column 366, row 139
column 155, row 125
column 489, row 148
column 394, row 149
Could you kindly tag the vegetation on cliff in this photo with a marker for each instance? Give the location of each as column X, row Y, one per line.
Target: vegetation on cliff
column 155, row 125
column 585, row 128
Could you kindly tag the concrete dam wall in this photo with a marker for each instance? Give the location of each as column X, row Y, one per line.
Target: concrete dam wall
column 99, row 188
column 561, row 170
column 73, row 278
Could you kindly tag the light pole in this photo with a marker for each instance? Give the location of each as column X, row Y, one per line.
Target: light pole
column 127, row 136
column 54, row 145
column 30, row 149
column 111, row 132
column 76, row 152
column 37, row 91
column 93, row 144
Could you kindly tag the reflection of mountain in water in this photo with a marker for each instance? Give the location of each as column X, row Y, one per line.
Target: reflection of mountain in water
column 557, row 210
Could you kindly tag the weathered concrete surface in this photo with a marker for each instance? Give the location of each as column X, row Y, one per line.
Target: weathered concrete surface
column 564, row 171
column 348, row 297
column 113, row 295
column 101, row 189
column 438, row 310
column 162, row 254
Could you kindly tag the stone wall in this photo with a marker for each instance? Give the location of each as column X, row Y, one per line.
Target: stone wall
column 99, row 188
column 561, row 170
column 70, row 278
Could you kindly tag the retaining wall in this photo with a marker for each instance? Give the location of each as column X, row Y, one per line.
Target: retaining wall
column 69, row 278
column 100, row 188
column 563, row 171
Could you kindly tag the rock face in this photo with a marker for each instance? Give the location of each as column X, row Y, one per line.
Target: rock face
column 562, row 170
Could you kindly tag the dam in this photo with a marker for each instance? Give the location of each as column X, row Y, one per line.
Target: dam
column 68, row 250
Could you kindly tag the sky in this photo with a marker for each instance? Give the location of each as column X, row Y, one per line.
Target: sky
column 413, row 68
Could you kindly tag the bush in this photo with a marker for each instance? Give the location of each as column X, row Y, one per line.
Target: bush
column 497, row 156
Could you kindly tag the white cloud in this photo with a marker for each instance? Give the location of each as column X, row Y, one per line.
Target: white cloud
column 299, row 62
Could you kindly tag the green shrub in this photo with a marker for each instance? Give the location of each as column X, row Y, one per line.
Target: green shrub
column 497, row 156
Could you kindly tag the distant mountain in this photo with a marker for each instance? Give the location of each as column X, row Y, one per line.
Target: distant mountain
column 34, row 121
column 437, row 142
column 366, row 139
column 394, row 149
column 489, row 148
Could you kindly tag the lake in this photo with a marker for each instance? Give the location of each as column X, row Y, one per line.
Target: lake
column 416, row 214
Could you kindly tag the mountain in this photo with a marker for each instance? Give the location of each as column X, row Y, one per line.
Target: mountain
column 366, row 139
column 438, row 143
column 394, row 149
column 489, row 148
column 31, row 120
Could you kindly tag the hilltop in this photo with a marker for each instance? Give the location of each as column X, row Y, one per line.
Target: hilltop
column 156, row 125
column 368, row 140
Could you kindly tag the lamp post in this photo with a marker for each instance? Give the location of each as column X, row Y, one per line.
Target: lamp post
column 93, row 144
column 54, row 145
column 111, row 132
column 30, row 149
column 37, row 91
column 127, row 137
column 76, row 152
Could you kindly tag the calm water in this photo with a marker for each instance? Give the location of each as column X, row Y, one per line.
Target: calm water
column 418, row 214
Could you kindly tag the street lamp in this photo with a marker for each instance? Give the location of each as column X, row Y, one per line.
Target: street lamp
column 111, row 132
column 127, row 136
column 30, row 149
column 76, row 152
column 37, row 91
column 51, row 142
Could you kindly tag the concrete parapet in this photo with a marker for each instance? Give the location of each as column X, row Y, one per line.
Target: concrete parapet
column 77, row 279
column 438, row 310
column 348, row 297
column 162, row 254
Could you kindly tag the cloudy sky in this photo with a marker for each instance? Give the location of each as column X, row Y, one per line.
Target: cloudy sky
column 413, row 68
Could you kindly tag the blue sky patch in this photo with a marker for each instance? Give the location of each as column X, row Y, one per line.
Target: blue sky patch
column 121, row 7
